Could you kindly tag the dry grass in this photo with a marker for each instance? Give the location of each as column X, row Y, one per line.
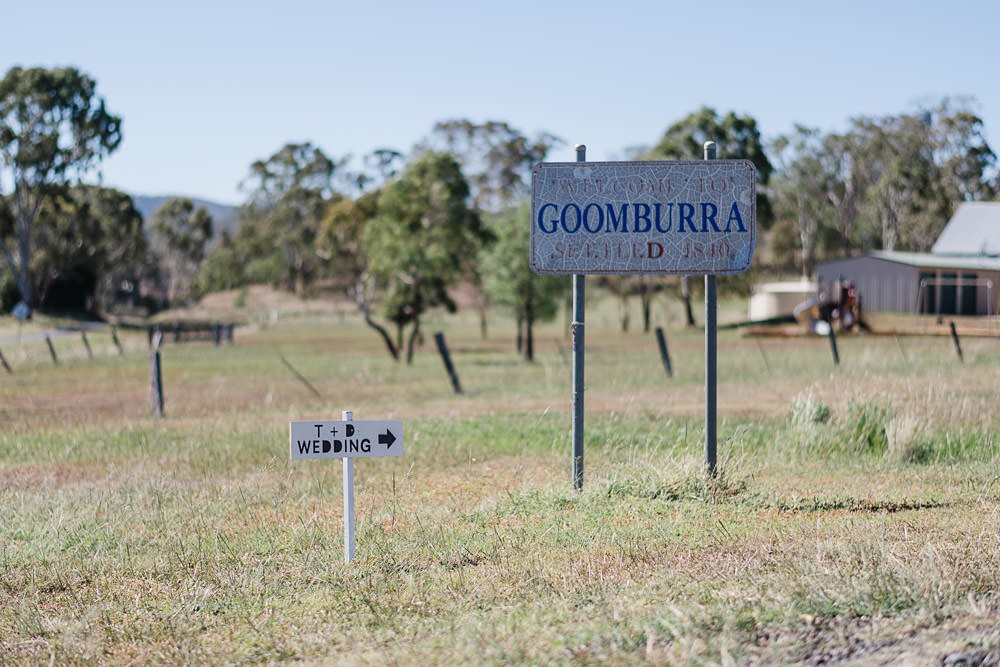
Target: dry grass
column 867, row 536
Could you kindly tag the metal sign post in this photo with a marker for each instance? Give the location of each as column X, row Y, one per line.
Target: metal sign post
column 579, row 301
column 711, row 355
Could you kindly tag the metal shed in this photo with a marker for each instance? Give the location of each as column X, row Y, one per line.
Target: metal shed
column 910, row 282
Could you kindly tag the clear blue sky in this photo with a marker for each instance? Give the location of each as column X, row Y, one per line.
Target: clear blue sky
column 206, row 88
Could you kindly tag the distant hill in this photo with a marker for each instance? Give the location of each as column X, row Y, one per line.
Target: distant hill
column 223, row 215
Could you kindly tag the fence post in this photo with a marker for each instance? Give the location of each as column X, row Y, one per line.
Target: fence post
column 760, row 348
column 448, row 366
column 114, row 339
column 86, row 344
column 156, row 376
column 954, row 339
column 833, row 346
column 52, row 349
column 300, row 376
column 902, row 352
column 664, row 352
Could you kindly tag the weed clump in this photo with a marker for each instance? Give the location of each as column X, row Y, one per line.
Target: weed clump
column 908, row 440
column 808, row 426
column 806, row 411
column 865, row 426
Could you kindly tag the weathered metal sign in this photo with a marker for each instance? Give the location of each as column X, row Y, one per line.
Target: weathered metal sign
column 678, row 217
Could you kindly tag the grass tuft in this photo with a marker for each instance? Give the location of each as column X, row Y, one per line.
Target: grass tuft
column 908, row 440
column 806, row 410
column 864, row 425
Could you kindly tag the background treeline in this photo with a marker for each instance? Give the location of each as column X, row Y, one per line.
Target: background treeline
column 397, row 230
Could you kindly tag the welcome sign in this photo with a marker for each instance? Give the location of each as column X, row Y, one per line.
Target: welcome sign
column 677, row 217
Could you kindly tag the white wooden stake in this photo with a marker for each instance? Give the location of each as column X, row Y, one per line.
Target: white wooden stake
column 347, row 416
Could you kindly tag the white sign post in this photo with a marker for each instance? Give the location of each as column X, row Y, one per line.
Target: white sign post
column 678, row 217
column 346, row 439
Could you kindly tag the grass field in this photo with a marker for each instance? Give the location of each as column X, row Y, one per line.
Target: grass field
column 855, row 518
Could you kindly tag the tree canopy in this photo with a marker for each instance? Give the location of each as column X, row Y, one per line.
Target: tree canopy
column 288, row 196
column 495, row 157
column 92, row 244
column 736, row 137
column 398, row 233
column 181, row 234
column 54, row 127
column 889, row 182
column 509, row 282
column 423, row 239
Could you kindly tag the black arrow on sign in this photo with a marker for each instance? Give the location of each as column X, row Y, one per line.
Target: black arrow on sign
column 386, row 438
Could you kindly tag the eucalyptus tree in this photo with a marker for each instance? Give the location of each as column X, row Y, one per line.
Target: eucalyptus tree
column 54, row 128
column 736, row 137
column 799, row 190
column 967, row 161
column 342, row 242
column 93, row 243
column 8, row 286
column 846, row 187
column 424, row 238
column 497, row 160
column 180, row 237
column 224, row 266
column 964, row 169
column 495, row 157
column 509, row 281
column 896, row 157
column 380, row 166
column 288, row 196
column 915, row 168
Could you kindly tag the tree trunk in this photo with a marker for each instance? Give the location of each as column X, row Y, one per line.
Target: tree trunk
column 411, row 344
column 385, row 336
column 529, row 342
column 807, row 237
column 24, row 250
column 519, row 337
column 623, row 315
column 647, row 307
column 686, row 296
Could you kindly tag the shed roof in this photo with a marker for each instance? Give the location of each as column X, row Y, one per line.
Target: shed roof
column 973, row 230
column 939, row 261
